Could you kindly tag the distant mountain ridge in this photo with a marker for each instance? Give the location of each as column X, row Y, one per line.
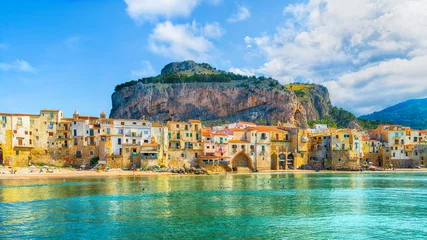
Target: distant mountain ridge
column 411, row 113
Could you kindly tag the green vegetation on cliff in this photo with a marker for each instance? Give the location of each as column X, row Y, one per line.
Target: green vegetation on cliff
column 338, row 118
column 178, row 78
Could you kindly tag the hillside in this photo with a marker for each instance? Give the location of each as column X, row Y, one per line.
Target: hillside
column 412, row 113
column 188, row 90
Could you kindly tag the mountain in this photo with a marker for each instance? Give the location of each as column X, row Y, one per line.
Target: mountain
column 412, row 113
column 189, row 90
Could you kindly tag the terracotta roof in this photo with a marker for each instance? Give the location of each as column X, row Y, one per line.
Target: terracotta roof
column 237, row 141
column 194, row 121
column 239, row 129
column 266, row 129
column 220, row 134
column 423, row 131
column 156, row 124
column 246, row 123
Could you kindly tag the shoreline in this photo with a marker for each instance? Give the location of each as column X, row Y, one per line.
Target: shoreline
column 65, row 173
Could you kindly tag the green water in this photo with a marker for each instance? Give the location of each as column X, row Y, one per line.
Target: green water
column 262, row 206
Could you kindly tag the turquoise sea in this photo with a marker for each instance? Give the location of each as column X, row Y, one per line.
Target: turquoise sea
column 257, row 206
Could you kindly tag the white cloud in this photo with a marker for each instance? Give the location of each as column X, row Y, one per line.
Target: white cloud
column 364, row 51
column 241, row 14
column 149, row 10
column 18, row 66
column 72, row 41
column 213, row 30
column 146, row 70
column 183, row 41
column 243, row 71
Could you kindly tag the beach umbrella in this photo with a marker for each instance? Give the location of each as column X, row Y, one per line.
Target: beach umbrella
column 83, row 166
column 32, row 167
column 45, row 166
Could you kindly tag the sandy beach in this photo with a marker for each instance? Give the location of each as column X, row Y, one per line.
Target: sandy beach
column 25, row 173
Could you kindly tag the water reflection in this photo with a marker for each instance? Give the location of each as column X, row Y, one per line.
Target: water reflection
column 318, row 205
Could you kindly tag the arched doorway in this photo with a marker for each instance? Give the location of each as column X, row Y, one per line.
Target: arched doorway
column 282, row 161
column 274, row 162
column 291, row 161
column 1, row 156
column 241, row 160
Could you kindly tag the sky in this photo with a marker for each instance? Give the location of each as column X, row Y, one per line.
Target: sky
column 70, row 54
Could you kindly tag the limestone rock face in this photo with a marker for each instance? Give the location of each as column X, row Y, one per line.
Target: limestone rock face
column 189, row 90
column 217, row 102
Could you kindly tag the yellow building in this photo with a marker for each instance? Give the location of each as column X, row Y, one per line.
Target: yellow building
column 185, row 143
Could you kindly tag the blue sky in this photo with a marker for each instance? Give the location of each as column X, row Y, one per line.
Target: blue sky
column 71, row 54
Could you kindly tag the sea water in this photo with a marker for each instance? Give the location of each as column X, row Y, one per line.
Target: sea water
column 254, row 206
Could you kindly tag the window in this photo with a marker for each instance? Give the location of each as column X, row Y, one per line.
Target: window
column 394, row 154
column 177, row 126
column 31, row 141
column 122, row 123
column 108, row 131
column 50, row 134
column 51, row 115
column 75, row 132
column 169, row 135
column 19, row 121
column 234, row 146
column 195, row 155
column 263, row 136
column 50, row 125
column 17, row 153
column 186, row 134
column 32, row 122
column 197, row 136
column 263, row 148
column 134, row 123
column 208, row 147
column 4, row 119
column 145, row 132
column 119, row 141
column 133, row 141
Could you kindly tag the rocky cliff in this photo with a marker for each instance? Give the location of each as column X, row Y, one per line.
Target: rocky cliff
column 225, row 97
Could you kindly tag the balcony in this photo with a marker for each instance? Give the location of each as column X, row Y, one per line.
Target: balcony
column 24, row 145
column 148, row 149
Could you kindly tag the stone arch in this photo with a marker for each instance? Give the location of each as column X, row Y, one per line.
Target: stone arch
column 241, row 159
column 274, row 165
